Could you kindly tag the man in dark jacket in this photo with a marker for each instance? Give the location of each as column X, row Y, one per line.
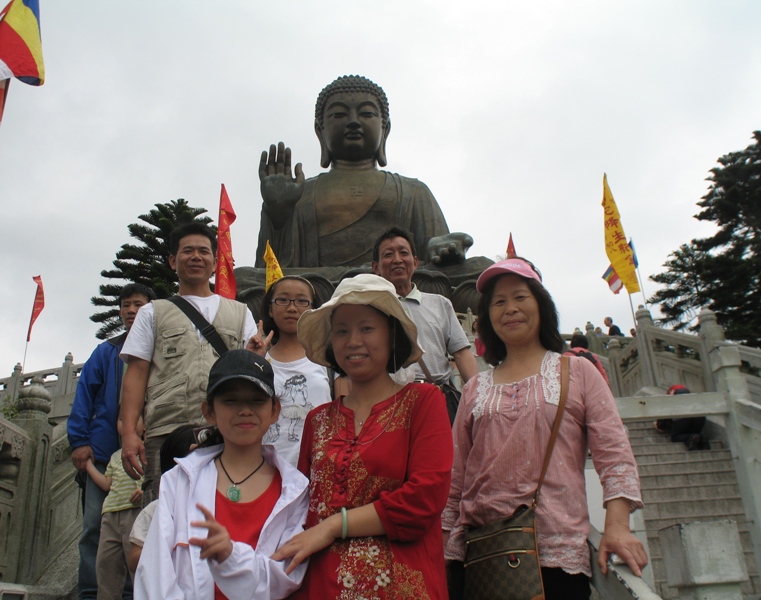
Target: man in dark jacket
column 92, row 427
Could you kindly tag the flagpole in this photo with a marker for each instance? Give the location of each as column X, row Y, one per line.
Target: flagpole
column 631, row 305
column 641, row 285
column 23, row 364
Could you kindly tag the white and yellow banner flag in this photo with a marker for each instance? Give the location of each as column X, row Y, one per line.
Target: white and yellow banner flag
column 619, row 252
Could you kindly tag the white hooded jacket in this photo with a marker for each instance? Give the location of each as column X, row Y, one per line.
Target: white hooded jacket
column 170, row 568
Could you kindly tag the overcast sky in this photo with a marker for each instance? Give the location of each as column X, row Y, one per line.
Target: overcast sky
column 510, row 111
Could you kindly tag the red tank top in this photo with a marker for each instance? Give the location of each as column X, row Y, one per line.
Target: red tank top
column 244, row 520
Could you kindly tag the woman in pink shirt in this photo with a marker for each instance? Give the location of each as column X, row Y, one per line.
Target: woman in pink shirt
column 503, row 426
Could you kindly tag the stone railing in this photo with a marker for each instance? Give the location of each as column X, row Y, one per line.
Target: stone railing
column 619, row 583
column 60, row 382
column 717, row 372
column 40, row 514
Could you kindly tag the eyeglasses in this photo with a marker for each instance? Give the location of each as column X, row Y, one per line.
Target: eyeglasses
column 297, row 302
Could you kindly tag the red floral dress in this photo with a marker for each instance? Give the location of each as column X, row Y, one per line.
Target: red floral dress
column 401, row 462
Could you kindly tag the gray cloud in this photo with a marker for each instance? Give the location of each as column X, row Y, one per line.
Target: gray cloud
column 510, row 112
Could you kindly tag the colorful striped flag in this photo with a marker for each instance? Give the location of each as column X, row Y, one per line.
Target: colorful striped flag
column 20, row 42
column 614, row 281
column 39, row 304
column 224, row 278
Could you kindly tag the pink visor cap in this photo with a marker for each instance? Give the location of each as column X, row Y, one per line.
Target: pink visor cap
column 514, row 266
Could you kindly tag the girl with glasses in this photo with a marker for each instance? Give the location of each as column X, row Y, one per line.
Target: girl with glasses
column 300, row 384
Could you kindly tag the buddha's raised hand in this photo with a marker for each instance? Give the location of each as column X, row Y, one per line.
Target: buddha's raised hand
column 280, row 190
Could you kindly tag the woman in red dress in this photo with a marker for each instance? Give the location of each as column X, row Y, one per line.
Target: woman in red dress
column 378, row 459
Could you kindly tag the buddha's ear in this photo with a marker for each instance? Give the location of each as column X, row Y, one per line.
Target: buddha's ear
column 381, row 158
column 324, row 152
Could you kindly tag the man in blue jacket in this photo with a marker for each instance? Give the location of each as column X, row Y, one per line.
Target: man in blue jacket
column 92, row 427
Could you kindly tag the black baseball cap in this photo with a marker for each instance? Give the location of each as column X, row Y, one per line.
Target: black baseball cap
column 241, row 364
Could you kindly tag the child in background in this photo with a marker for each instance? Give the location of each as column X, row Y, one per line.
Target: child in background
column 178, row 444
column 226, row 508
column 120, row 509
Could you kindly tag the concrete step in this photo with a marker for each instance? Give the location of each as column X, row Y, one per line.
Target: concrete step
column 713, row 509
column 673, row 455
column 712, row 491
column 682, row 479
column 669, row 448
column 654, row 525
column 697, row 465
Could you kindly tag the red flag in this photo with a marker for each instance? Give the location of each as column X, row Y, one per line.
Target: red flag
column 224, row 280
column 39, row 304
column 511, row 253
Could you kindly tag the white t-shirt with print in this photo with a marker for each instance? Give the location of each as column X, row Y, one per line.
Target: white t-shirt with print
column 301, row 386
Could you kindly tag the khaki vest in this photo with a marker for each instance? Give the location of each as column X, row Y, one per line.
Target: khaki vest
column 181, row 362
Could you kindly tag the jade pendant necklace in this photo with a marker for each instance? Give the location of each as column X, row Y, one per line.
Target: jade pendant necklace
column 233, row 492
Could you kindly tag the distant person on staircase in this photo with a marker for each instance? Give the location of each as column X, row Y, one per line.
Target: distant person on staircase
column 579, row 347
column 689, row 430
column 612, row 329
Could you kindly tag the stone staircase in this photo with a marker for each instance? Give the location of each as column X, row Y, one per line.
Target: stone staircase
column 679, row 487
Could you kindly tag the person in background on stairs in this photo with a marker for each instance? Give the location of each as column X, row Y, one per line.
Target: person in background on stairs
column 580, row 347
column 689, row 430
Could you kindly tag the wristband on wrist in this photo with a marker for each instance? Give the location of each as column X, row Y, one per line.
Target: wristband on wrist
column 344, row 523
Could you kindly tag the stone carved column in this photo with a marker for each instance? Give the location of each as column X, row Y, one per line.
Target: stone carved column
column 645, row 346
column 614, row 368
column 32, row 495
column 34, row 401
column 744, row 441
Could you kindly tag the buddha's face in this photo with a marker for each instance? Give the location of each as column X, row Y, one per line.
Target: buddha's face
column 352, row 126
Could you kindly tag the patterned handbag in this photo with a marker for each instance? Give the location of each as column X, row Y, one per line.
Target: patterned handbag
column 502, row 558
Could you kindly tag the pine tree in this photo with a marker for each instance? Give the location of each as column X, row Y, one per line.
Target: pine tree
column 146, row 263
column 722, row 272
column 685, row 292
column 733, row 202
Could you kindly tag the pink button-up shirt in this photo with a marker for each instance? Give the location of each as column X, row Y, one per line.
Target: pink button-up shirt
column 500, row 437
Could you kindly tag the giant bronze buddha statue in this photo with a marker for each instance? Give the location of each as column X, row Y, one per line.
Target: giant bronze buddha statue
column 327, row 224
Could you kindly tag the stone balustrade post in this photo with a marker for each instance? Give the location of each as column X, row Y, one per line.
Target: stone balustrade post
column 65, row 376
column 34, row 403
column 614, row 368
column 744, row 441
column 644, row 342
column 15, row 382
column 704, row 561
column 711, row 335
column 595, row 343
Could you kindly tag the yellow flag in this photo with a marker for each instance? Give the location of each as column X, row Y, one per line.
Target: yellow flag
column 618, row 250
column 274, row 272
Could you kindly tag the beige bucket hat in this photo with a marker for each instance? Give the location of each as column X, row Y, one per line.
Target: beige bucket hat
column 371, row 290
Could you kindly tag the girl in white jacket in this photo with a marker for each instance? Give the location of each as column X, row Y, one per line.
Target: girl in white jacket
column 225, row 509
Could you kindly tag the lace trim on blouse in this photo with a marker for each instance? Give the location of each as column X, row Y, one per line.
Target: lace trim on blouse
column 549, row 377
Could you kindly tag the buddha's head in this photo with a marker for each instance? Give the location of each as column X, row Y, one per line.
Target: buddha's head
column 351, row 121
